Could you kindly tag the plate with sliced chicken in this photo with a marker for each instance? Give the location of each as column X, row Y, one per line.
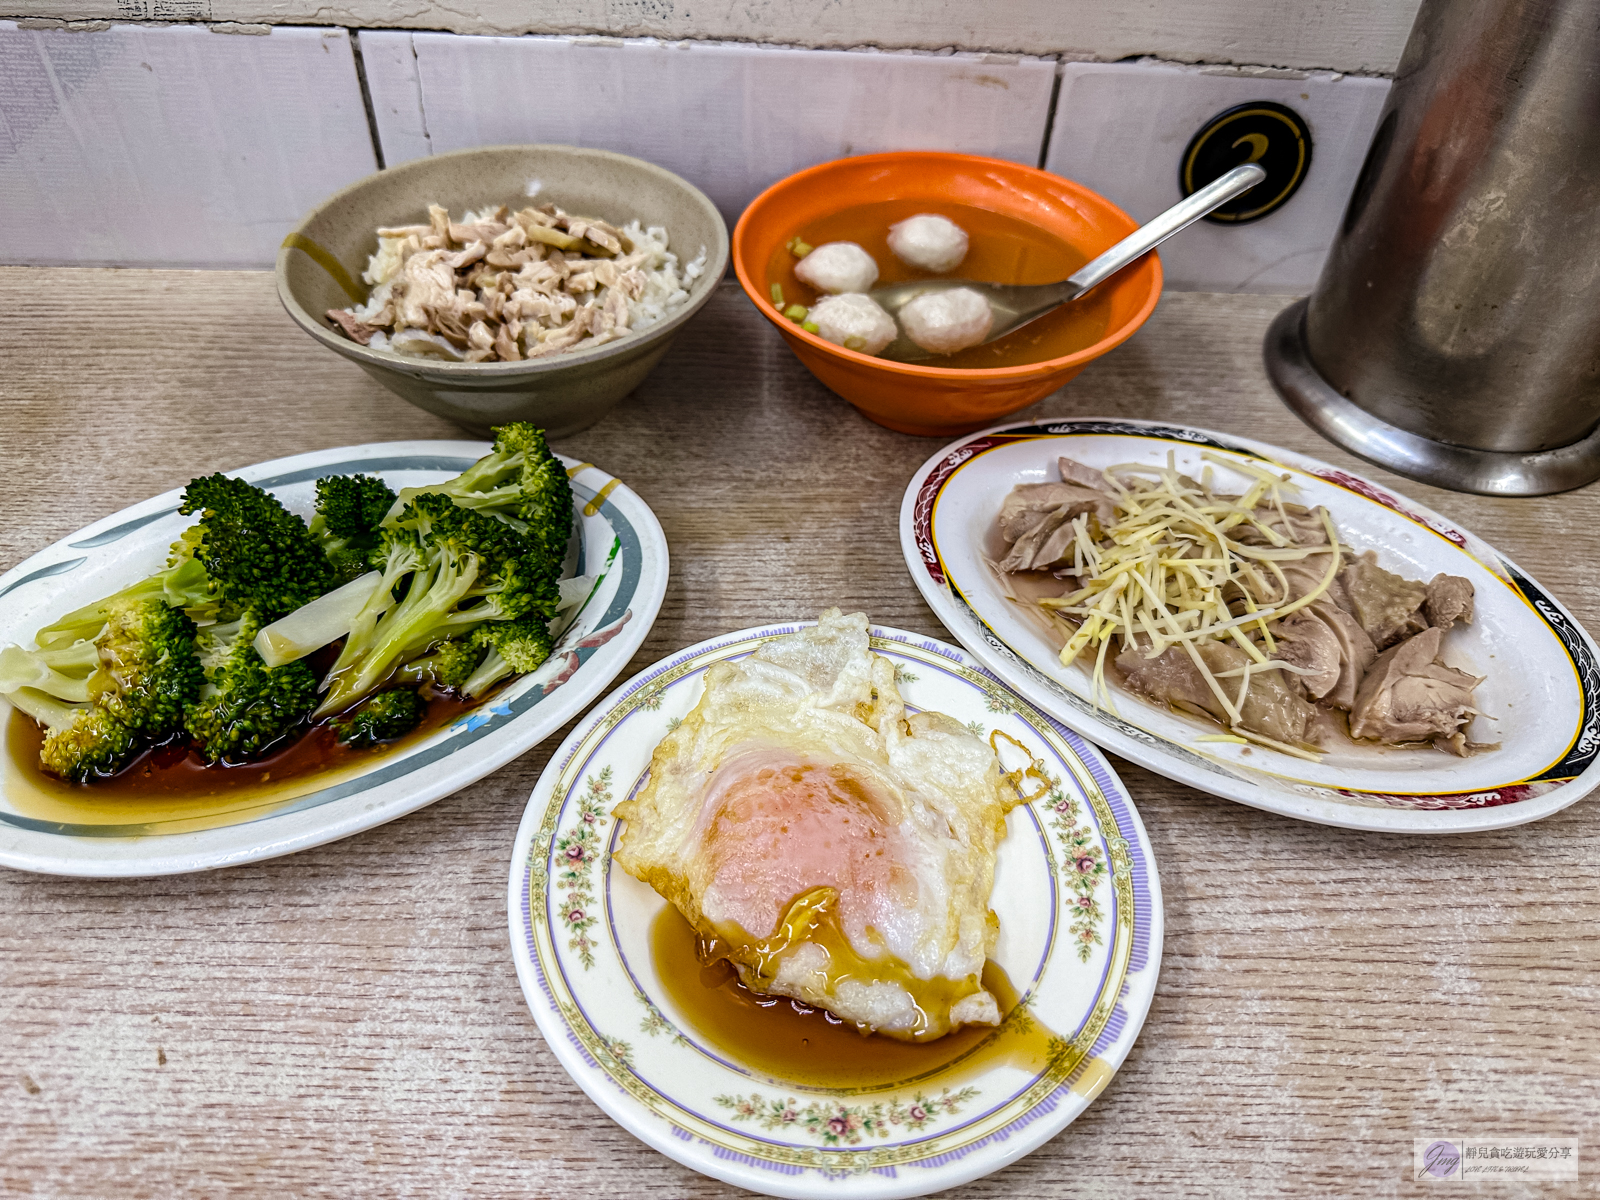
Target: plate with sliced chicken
column 1258, row 624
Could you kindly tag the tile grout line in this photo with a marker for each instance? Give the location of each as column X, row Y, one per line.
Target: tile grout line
column 1222, row 66
column 1050, row 113
column 366, row 98
column 422, row 103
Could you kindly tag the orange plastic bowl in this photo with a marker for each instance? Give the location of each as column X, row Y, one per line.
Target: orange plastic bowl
column 915, row 398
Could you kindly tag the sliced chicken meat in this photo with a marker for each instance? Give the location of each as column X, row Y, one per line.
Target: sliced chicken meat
column 1030, row 503
column 1036, row 519
column 1309, row 643
column 1295, row 523
column 1326, row 639
column 1073, row 471
column 1273, row 706
column 353, row 328
column 1388, row 607
column 1170, row 678
column 1411, row 695
column 1201, row 563
column 425, row 288
column 1449, row 600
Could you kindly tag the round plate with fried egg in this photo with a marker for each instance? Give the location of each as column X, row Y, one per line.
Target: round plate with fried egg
column 1538, row 699
column 772, row 1095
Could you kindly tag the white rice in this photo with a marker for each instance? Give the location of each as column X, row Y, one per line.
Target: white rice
column 664, row 288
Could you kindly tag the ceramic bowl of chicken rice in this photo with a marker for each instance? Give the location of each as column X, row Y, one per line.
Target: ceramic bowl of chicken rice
column 507, row 283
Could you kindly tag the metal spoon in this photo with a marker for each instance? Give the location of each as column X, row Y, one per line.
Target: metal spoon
column 1014, row 305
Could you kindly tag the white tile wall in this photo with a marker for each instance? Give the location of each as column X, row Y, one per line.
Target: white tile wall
column 181, row 146
column 1122, row 128
column 171, row 145
column 1335, row 35
column 731, row 119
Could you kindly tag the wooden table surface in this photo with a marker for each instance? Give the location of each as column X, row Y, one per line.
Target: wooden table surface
column 347, row 1021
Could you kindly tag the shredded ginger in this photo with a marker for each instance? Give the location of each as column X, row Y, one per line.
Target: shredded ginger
column 1172, row 570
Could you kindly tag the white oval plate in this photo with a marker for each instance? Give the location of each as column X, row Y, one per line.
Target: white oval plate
column 579, row 936
column 1542, row 696
column 621, row 541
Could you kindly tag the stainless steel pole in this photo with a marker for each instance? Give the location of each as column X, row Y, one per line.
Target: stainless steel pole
column 1454, row 335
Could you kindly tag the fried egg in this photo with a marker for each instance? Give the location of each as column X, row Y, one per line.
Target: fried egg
column 832, row 848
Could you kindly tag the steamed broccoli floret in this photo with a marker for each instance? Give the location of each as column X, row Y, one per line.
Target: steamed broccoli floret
column 546, row 501
column 246, row 707
column 351, row 506
column 266, row 564
column 183, row 583
column 106, row 701
column 520, row 480
column 485, row 547
column 448, row 665
column 347, row 562
column 92, row 745
column 82, row 741
column 349, row 510
column 460, row 569
column 124, row 673
column 150, row 668
column 380, row 718
column 261, row 556
column 514, row 647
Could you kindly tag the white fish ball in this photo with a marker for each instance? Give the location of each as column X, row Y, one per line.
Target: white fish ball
column 945, row 322
column 838, row 267
column 929, row 241
column 853, row 321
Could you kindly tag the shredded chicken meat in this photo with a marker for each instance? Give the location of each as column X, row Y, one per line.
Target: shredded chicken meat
column 1246, row 609
column 502, row 286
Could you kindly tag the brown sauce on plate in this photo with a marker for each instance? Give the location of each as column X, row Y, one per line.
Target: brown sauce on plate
column 1001, row 249
column 172, row 787
column 788, row 1040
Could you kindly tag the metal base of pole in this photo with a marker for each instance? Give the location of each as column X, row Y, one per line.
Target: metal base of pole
column 1487, row 472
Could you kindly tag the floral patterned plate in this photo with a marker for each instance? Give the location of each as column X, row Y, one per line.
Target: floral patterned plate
column 1540, row 698
column 1080, row 939
column 619, row 542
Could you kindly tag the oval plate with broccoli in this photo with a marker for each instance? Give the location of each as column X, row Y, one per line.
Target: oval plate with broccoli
column 302, row 649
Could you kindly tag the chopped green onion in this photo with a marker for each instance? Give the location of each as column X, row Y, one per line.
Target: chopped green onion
column 798, row 248
column 777, row 294
column 854, row 343
column 810, row 326
column 797, row 312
